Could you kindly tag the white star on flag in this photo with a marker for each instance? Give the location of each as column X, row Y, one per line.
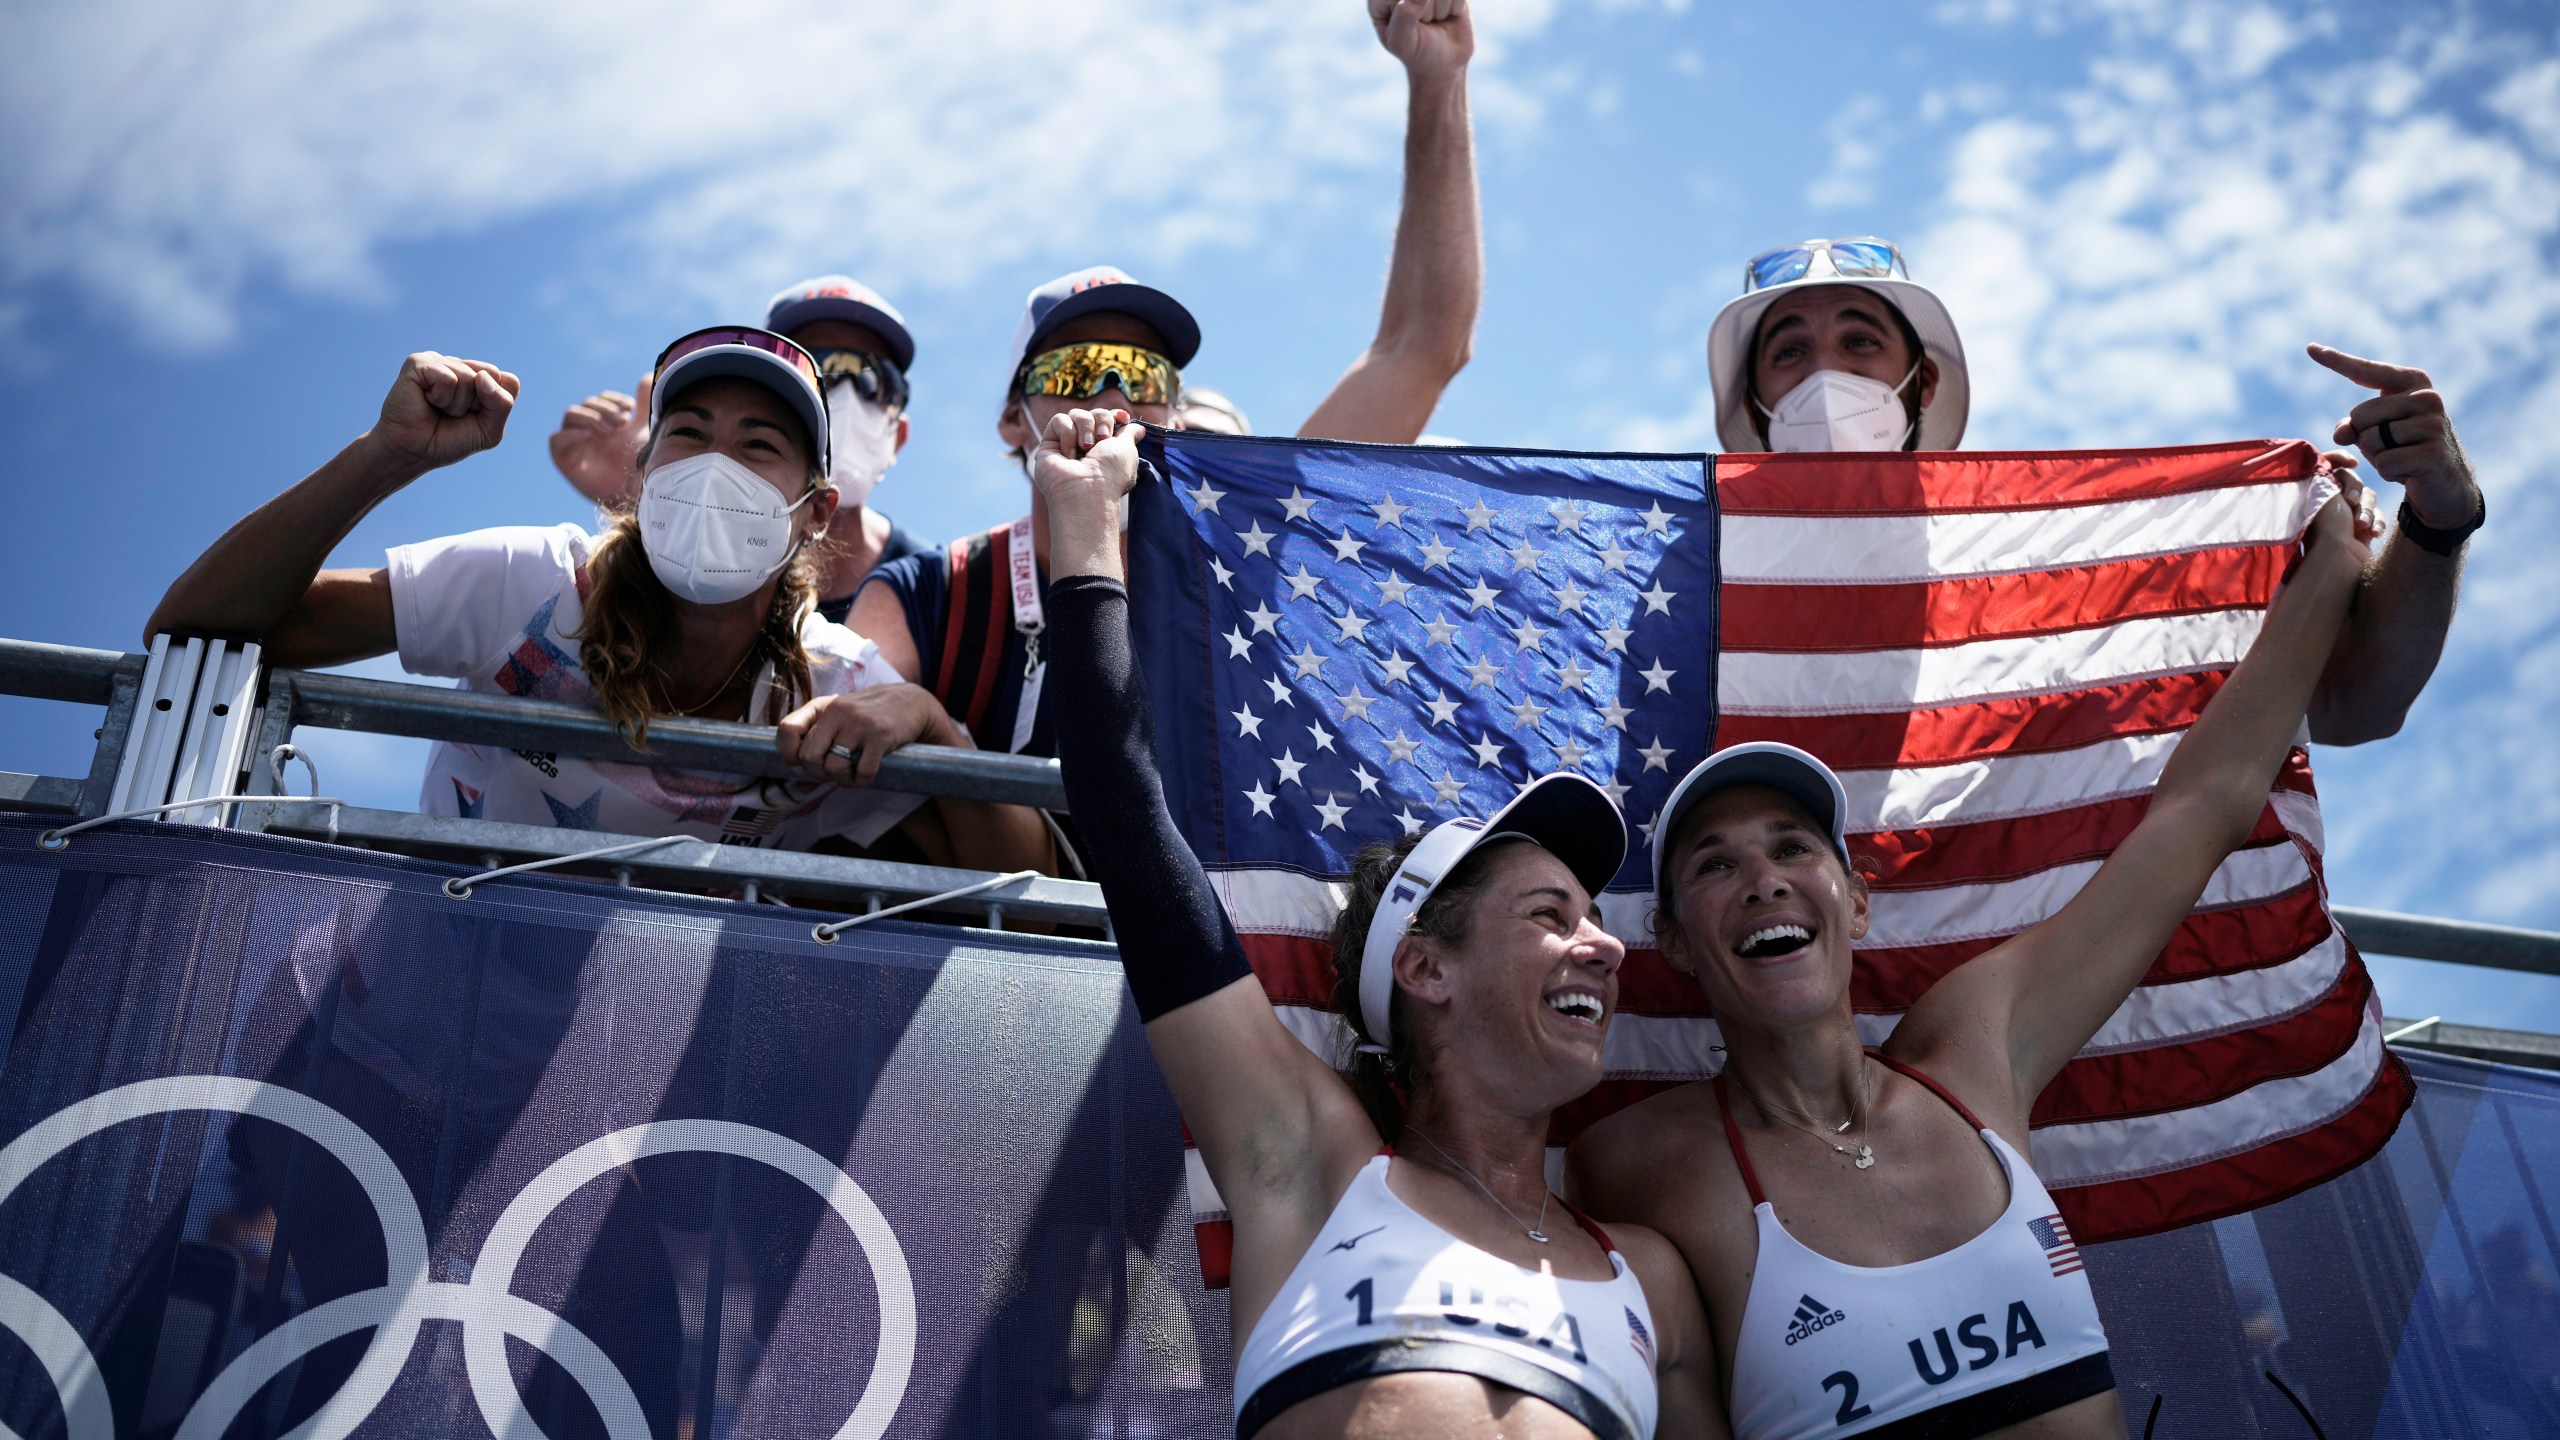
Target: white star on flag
column 1248, row 723
column 1346, row 549
column 1290, row 765
column 1350, row 624
column 1261, row 798
column 1657, row 678
column 1309, row 663
column 1204, row 499
column 1257, row 541
column 1303, row 584
column 1298, row 505
column 1389, row 512
column 1332, row 810
column 1657, row 756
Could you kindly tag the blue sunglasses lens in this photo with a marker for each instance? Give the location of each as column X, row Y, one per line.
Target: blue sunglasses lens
column 1864, row 258
column 1777, row 267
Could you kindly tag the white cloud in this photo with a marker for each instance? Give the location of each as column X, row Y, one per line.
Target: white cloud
column 166, row 156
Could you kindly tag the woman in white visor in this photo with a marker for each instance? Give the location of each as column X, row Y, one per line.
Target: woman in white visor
column 697, row 603
column 1401, row 1268
column 1875, row 1255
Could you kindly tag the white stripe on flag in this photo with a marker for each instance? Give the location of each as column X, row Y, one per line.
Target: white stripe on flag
column 2005, row 786
column 2177, row 1011
column 1891, row 549
column 1975, row 912
column 2095, row 1152
column 1206, row 1202
column 1765, row 682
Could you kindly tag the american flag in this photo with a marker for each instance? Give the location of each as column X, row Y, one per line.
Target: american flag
column 2055, row 1236
column 1997, row 651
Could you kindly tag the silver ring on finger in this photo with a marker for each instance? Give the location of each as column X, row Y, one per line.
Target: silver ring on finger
column 844, row 752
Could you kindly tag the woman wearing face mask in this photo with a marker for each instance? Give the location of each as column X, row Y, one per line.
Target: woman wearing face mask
column 1400, row 1268
column 697, row 604
column 1873, row 1250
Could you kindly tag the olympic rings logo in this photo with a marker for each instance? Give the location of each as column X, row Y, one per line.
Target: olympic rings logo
column 396, row 1311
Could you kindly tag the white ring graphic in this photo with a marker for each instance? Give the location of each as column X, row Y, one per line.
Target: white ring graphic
column 395, row 1311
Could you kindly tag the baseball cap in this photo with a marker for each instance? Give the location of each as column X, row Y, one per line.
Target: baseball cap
column 770, row 360
column 1795, row 773
column 841, row 297
column 1729, row 359
column 1103, row 287
column 1564, row 814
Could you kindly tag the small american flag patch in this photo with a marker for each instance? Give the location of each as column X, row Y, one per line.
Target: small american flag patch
column 2055, row 1237
column 1638, row 1336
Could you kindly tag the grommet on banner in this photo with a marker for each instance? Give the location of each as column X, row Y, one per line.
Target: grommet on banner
column 460, row 886
column 826, row 934
column 60, row 836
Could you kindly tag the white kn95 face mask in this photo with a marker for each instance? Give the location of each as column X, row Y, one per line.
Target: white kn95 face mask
column 714, row 529
column 865, row 442
column 1835, row 410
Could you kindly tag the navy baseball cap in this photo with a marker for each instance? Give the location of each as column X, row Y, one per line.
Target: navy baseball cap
column 1103, row 287
column 841, row 297
column 1795, row 773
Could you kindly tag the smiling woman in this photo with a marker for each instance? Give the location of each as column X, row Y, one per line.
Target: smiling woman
column 1380, row 1288
column 699, row 603
column 1873, row 1250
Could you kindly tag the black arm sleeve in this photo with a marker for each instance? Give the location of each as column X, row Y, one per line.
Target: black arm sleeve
column 1175, row 940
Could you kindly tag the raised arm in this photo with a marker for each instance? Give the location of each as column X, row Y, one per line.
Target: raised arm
column 1435, row 278
column 262, row 580
column 2395, row 634
column 2011, row 1017
column 1260, row 1104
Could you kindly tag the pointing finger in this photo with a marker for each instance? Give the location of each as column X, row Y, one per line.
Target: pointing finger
column 2372, row 374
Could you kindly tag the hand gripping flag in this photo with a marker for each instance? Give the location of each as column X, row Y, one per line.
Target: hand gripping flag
column 1997, row 651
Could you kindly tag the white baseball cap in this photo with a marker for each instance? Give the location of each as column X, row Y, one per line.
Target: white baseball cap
column 1798, row 774
column 1564, row 814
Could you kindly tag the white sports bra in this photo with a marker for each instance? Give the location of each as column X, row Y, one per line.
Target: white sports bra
column 1383, row 1290
column 2000, row 1329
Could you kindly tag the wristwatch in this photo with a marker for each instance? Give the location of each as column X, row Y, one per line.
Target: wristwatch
column 2440, row 542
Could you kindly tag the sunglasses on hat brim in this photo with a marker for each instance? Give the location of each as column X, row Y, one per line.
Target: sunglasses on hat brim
column 1082, row 371
column 1862, row 257
column 875, row 378
column 788, row 352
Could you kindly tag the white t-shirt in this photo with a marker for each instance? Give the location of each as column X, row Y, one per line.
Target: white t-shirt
column 499, row 609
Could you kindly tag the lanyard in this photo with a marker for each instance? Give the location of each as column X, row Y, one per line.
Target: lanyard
column 1028, row 621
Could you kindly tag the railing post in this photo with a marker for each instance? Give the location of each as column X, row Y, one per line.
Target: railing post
column 113, row 736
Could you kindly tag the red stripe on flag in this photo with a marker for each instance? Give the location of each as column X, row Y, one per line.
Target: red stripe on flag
column 1979, row 480
column 1990, row 850
column 2124, row 1209
column 2023, row 724
column 1829, row 619
column 2199, row 1072
column 2216, row 942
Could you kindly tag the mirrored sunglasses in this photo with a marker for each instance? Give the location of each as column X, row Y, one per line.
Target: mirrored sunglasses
column 1862, row 258
column 1079, row 372
column 765, row 340
column 875, row 378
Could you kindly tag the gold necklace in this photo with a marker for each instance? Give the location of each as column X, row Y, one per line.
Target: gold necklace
column 1537, row 1232
column 1864, row 1155
column 726, row 681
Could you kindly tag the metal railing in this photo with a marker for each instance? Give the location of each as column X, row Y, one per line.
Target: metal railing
column 294, row 698
column 345, row 702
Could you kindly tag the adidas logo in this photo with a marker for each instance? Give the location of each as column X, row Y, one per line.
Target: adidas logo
column 1811, row 1315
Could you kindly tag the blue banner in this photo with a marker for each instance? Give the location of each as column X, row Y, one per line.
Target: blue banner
column 292, row 1134
column 287, row 1135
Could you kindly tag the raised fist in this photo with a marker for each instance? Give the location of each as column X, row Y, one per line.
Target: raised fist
column 1087, row 450
column 444, row 409
column 597, row 447
column 1431, row 37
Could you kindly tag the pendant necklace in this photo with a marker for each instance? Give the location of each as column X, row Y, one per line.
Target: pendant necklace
column 1537, row 1232
column 1863, row 1155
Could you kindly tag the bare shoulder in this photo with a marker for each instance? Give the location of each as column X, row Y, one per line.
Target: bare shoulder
column 1644, row 1157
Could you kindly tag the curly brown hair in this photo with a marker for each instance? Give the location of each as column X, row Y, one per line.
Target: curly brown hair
column 1383, row 1081
column 630, row 618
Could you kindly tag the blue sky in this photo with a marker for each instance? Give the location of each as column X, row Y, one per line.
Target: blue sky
column 217, row 238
